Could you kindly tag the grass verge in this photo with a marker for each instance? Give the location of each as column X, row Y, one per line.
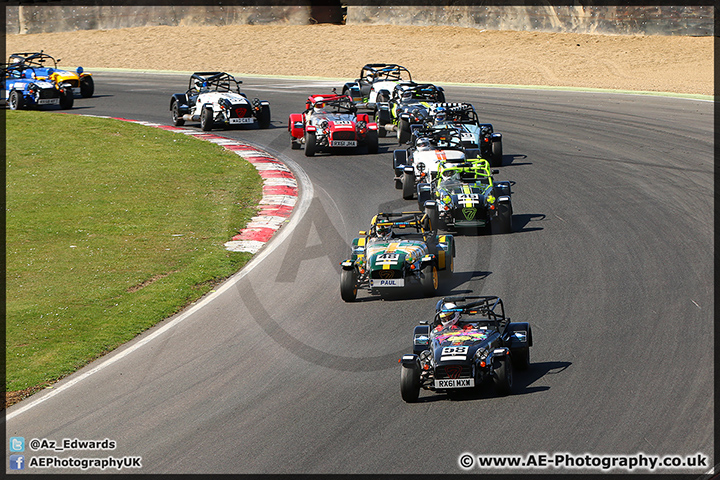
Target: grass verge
column 110, row 228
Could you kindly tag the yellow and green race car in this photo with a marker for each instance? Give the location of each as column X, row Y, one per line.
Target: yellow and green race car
column 400, row 251
column 467, row 197
column 46, row 68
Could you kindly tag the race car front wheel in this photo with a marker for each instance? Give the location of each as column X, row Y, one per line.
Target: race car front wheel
column 503, row 378
column 410, row 383
column 206, row 119
column 348, row 285
column 408, row 187
column 430, row 280
column 17, row 101
column 381, row 128
column 87, row 87
column 310, row 144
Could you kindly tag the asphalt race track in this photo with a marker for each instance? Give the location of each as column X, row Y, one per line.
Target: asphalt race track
column 611, row 262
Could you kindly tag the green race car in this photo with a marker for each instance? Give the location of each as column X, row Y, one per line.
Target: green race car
column 400, row 251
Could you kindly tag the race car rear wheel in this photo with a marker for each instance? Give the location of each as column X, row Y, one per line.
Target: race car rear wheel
column 408, row 187
column 348, row 285
column 17, row 101
column 502, row 223
column 430, row 280
column 372, row 141
column 497, row 155
column 66, row 98
column 176, row 117
column 206, row 119
column 521, row 358
column 87, row 87
column 309, row 144
column 503, row 378
column 410, row 383
column 264, row 117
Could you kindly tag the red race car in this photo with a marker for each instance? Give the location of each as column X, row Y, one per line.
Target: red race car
column 331, row 121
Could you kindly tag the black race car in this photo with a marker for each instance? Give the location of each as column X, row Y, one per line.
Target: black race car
column 469, row 343
column 410, row 103
column 214, row 98
column 474, row 134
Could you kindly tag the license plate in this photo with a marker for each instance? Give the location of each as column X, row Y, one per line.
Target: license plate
column 393, row 282
column 49, row 101
column 242, row 120
column 455, row 383
column 343, row 143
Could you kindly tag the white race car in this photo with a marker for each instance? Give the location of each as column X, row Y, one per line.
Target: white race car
column 214, row 98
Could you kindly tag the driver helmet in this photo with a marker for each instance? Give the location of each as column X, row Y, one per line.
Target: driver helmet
column 423, row 144
column 406, row 96
column 199, row 85
column 440, row 114
column 319, row 108
column 384, row 231
column 449, row 318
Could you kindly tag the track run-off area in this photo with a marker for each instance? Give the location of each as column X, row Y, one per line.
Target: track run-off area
column 610, row 261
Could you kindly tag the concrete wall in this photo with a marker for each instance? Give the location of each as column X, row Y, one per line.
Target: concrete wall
column 622, row 20
column 52, row 16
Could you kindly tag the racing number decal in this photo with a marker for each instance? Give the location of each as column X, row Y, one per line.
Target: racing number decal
column 387, row 259
column 455, row 351
column 342, row 122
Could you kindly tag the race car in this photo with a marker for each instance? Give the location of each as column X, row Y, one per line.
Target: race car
column 46, row 68
column 469, row 343
column 376, row 83
column 474, row 134
column 401, row 251
column 215, row 99
column 410, row 103
column 22, row 89
column 468, row 198
column 419, row 162
column 331, row 121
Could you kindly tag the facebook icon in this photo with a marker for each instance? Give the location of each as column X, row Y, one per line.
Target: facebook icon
column 17, row 462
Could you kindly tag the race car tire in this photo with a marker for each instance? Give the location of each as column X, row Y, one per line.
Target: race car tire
column 382, row 133
column 502, row 223
column 295, row 144
column 264, row 117
column 408, row 187
column 17, row 102
column 410, row 383
column 503, row 378
column 403, row 131
column 87, row 87
column 66, row 98
column 372, row 141
column 521, row 358
column 497, row 154
column 433, row 215
column 310, row 144
column 398, row 184
column 176, row 117
column 423, row 196
column 348, row 285
column 206, row 119
column 430, row 280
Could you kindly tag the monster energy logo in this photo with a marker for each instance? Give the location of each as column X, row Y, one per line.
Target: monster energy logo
column 469, row 213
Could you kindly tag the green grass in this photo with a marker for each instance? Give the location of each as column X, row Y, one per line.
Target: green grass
column 111, row 227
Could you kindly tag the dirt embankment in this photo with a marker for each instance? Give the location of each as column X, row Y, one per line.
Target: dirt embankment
column 435, row 54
